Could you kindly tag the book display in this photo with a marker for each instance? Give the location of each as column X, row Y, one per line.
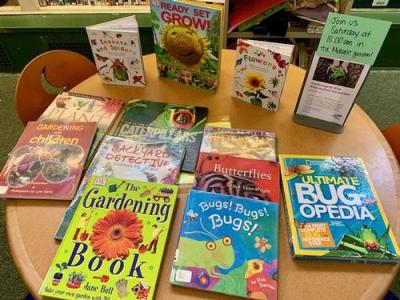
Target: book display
column 130, row 228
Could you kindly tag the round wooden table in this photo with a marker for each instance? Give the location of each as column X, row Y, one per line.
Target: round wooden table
column 31, row 223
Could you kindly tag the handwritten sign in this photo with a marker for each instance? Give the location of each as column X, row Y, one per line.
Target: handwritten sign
column 356, row 39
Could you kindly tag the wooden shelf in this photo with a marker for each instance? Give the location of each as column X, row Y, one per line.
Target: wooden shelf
column 292, row 33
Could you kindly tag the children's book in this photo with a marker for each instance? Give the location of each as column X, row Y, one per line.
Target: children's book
column 231, row 175
column 74, row 107
column 246, row 143
column 229, row 245
column 149, row 120
column 114, row 246
column 260, row 72
column 47, row 161
column 158, row 162
column 187, row 38
column 334, row 212
column 117, row 51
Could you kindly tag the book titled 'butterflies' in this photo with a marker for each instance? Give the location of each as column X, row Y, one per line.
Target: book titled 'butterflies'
column 114, row 245
column 117, row 51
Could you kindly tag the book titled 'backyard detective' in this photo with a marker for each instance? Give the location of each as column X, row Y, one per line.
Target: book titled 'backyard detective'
column 334, row 212
column 114, row 245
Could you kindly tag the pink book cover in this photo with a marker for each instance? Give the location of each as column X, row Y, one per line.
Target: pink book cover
column 238, row 176
column 47, row 161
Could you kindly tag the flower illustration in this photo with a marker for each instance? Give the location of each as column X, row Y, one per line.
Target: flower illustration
column 116, row 233
column 298, row 170
column 254, row 81
column 262, row 244
column 112, row 106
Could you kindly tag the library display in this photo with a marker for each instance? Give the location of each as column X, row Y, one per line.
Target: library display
column 118, row 162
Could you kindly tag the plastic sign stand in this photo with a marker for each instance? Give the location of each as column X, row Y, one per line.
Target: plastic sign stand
column 348, row 48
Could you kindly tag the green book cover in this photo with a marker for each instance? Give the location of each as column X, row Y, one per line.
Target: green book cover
column 114, row 245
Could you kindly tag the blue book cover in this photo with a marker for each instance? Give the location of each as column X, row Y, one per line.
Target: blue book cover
column 333, row 211
column 228, row 244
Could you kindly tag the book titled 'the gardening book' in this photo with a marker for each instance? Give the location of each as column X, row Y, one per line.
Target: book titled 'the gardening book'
column 47, row 161
column 334, row 212
column 250, row 178
column 235, row 242
column 114, row 246
column 117, row 51
column 260, row 72
column 155, row 121
column 187, row 39
column 75, row 107
column 158, row 162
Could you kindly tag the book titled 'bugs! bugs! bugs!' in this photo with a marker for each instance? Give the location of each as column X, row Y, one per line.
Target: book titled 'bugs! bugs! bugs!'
column 115, row 242
column 334, row 212
column 229, row 245
column 117, row 51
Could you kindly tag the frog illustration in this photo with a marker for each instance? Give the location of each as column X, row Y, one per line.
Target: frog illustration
column 206, row 254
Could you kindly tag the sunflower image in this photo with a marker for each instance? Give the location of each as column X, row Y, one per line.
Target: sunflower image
column 185, row 45
column 254, row 81
column 116, row 233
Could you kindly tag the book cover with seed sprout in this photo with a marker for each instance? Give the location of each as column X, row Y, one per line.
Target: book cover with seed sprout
column 47, row 161
column 114, row 246
column 334, row 212
column 187, row 39
column 127, row 159
column 156, row 121
column 236, row 244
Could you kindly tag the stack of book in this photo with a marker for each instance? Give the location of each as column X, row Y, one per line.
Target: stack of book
column 231, row 217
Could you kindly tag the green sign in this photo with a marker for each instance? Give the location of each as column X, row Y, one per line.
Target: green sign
column 356, row 39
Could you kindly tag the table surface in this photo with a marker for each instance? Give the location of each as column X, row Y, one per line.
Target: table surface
column 31, row 223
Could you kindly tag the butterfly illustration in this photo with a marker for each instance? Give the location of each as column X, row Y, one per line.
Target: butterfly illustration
column 239, row 61
column 137, row 78
column 101, row 58
column 118, row 35
column 192, row 215
column 239, row 94
column 93, row 42
column 133, row 43
column 141, row 291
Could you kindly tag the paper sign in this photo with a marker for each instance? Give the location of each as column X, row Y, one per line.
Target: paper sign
column 380, row 2
column 351, row 38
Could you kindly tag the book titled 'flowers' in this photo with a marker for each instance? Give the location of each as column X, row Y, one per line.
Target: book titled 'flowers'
column 260, row 72
column 114, row 245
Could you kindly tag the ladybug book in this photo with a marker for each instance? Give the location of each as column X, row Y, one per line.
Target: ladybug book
column 260, row 72
column 114, row 246
column 250, row 178
column 187, row 39
column 47, row 161
column 155, row 121
column 122, row 158
column 333, row 211
column 236, row 244
column 74, row 107
column 117, row 51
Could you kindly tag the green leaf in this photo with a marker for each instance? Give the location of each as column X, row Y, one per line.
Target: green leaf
column 248, row 94
column 256, row 101
column 156, row 26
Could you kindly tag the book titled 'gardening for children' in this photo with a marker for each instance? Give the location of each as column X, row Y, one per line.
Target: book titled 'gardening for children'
column 187, row 38
column 334, row 212
column 47, row 161
column 114, row 245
